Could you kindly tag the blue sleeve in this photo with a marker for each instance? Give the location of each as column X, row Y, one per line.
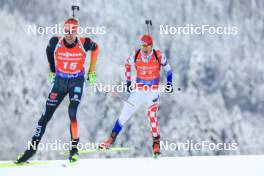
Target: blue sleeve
column 169, row 77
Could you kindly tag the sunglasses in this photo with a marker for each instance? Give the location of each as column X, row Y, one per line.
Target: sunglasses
column 145, row 47
column 70, row 32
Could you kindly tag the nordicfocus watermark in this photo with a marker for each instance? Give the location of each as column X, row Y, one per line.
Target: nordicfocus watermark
column 190, row 29
column 58, row 29
column 58, row 145
column 197, row 146
column 122, row 87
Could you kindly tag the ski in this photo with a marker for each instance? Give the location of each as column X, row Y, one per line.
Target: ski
column 13, row 164
column 104, row 150
column 99, row 150
column 69, row 164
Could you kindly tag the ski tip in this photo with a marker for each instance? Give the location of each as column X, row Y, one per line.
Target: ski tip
column 15, row 164
column 68, row 164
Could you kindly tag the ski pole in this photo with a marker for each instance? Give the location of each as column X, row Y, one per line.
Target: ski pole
column 113, row 93
column 148, row 23
column 74, row 8
column 122, row 98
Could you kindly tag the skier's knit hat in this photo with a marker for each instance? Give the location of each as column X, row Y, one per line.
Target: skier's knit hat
column 71, row 24
column 145, row 40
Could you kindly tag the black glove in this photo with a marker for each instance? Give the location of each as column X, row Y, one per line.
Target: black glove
column 128, row 86
column 169, row 87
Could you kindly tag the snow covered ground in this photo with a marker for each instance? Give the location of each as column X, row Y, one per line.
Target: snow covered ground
column 178, row 166
column 221, row 76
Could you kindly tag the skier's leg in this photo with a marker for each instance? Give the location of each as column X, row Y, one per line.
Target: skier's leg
column 75, row 94
column 55, row 97
column 136, row 98
column 153, row 119
column 153, row 104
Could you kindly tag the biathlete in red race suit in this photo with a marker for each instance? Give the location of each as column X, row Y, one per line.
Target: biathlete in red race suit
column 66, row 56
column 147, row 62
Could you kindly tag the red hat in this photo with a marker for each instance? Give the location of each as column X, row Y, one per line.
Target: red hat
column 71, row 24
column 146, row 39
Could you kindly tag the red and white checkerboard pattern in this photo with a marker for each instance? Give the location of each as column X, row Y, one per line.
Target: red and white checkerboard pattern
column 153, row 119
column 128, row 71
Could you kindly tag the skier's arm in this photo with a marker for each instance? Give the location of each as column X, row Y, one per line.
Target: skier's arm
column 94, row 47
column 166, row 66
column 128, row 64
column 50, row 53
column 128, row 71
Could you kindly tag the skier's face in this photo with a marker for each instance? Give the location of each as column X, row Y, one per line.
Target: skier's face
column 146, row 49
column 70, row 30
column 70, row 35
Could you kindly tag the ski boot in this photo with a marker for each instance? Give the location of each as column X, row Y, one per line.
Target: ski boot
column 156, row 146
column 23, row 157
column 109, row 141
column 74, row 154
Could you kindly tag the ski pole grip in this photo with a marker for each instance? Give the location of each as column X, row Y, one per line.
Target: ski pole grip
column 149, row 22
column 75, row 7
